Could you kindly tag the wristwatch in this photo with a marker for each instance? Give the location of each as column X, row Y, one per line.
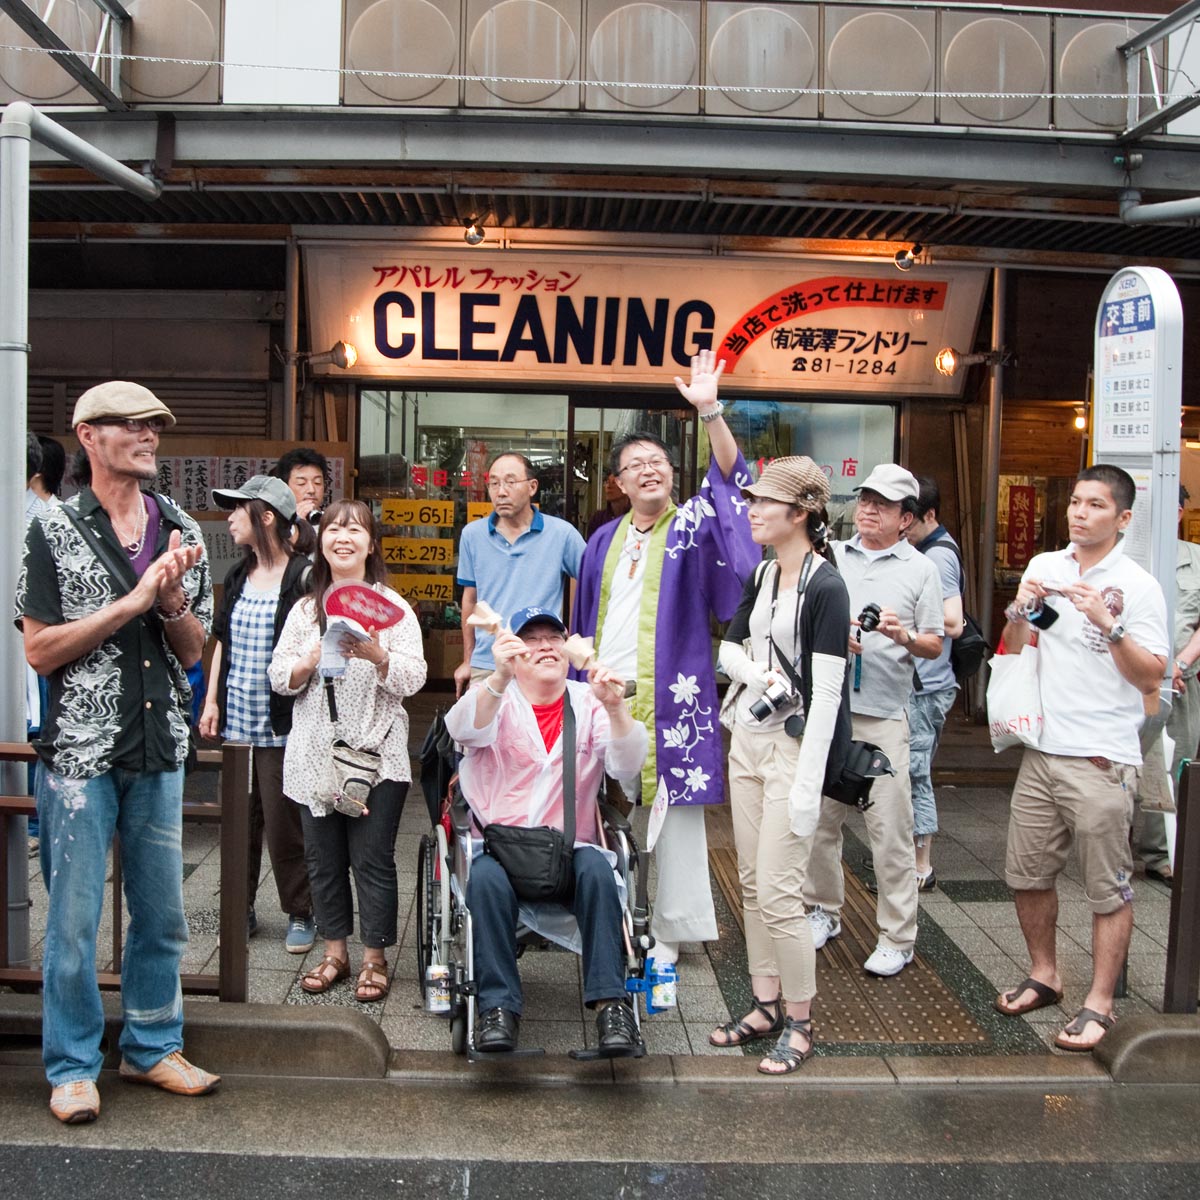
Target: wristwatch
column 713, row 413
column 1117, row 632
column 910, row 636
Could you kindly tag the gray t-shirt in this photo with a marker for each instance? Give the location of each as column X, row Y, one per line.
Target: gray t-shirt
column 936, row 674
column 907, row 582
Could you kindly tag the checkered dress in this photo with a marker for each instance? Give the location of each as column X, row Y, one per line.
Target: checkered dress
column 248, row 691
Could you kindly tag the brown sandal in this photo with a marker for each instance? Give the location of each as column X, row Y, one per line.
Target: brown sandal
column 319, row 980
column 374, row 978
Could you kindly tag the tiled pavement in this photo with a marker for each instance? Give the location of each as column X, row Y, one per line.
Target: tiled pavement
column 969, row 940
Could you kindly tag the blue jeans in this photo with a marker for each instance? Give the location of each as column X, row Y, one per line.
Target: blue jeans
column 926, row 716
column 596, row 905
column 78, row 819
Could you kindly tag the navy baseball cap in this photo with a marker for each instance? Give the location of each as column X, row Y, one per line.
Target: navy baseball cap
column 528, row 616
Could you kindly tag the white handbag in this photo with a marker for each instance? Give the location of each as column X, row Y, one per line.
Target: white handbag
column 1014, row 700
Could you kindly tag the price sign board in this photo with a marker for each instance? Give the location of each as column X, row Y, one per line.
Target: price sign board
column 415, row 588
column 426, row 551
column 439, row 513
column 477, row 509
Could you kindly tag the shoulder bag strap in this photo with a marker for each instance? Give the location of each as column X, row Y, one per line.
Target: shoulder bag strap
column 568, row 751
column 121, row 573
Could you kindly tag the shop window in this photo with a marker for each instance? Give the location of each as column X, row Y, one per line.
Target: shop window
column 846, row 440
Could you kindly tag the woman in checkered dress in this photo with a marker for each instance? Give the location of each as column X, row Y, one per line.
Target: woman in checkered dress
column 259, row 593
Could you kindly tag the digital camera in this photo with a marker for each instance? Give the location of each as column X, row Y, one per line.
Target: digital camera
column 777, row 696
column 868, row 619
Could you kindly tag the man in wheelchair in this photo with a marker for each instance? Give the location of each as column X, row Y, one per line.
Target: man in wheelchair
column 511, row 729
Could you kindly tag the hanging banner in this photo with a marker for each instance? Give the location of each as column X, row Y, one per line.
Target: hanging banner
column 1021, row 531
column 530, row 316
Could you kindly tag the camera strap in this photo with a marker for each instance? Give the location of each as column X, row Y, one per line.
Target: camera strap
column 786, row 661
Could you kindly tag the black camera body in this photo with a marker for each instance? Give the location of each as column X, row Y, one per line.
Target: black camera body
column 868, row 619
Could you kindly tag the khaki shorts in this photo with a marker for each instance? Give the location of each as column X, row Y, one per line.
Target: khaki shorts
column 1057, row 800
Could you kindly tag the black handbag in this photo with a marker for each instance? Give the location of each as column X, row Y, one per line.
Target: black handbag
column 540, row 863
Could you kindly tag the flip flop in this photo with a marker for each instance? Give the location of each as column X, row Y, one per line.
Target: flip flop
column 1046, row 996
column 1078, row 1024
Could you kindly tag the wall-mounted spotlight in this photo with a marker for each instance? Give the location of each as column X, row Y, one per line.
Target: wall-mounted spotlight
column 1080, row 417
column 341, row 354
column 474, row 233
column 906, row 259
column 949, row 361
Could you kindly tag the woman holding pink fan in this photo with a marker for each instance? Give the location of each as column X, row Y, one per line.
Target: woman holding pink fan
column 353, row 711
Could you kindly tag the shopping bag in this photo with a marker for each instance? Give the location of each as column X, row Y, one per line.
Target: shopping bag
column 1014, row 700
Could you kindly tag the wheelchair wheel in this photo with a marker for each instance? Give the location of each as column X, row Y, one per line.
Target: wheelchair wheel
column 426, row 862
column 458, row 1029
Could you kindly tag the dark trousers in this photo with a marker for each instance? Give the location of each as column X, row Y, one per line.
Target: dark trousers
column 596, row 906
column 272, row 813
column 335, row 845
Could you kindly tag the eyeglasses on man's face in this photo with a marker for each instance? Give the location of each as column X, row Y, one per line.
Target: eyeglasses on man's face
column 637, row 465
column 506, row 484
column 543, row 638
column 132, row 424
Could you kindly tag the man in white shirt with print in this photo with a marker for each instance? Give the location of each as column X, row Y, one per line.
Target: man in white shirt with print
column 1102, row 645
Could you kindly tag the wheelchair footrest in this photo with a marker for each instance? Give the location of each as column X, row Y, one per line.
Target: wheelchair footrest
column 591, row 1054
column 474, row 1055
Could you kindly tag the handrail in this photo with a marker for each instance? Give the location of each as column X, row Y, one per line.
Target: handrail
column 231, row 981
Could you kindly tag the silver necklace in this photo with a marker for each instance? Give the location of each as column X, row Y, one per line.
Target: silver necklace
column 133, row 546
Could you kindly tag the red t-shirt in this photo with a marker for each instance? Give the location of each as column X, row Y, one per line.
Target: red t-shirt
column 550, row 720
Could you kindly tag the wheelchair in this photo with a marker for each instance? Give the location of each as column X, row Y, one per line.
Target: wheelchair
column 445, row 970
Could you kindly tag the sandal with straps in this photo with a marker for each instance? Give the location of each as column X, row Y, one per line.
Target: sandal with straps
column 738, row 1033
column 320, row 980
column 372, row 978
column 784, row 1052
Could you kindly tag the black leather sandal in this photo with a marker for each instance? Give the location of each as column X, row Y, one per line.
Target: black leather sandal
column 738, row 1033
column 784, row 1052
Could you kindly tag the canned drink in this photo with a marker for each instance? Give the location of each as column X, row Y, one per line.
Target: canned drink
column 437, row 988
column 662, row 993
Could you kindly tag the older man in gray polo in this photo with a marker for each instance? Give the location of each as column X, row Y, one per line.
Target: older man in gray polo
column 881, row 568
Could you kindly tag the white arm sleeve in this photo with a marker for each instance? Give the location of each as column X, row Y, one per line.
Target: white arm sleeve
column 804, row 800
column 741, row 668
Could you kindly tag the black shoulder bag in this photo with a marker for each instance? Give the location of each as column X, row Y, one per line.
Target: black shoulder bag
column 540, row 863
column 970, row 650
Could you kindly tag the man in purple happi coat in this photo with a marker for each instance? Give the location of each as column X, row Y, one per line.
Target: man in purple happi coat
column 647, row 586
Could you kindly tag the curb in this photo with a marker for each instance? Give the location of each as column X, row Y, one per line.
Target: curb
column 233, row 1039
column 298, row 1041
column 1163, row 1048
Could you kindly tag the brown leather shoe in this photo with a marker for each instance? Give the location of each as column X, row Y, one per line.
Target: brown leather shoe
column 75, row 1103
column 173, row 1074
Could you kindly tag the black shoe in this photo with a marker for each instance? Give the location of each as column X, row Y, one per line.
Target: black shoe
column 618, row 1031
column 497, row 1031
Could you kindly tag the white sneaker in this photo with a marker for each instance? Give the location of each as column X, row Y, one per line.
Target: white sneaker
column 824, row 926
column 886, row 961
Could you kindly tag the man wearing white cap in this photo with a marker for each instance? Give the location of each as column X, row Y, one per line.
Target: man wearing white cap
column 881, row 569
column 114, row 602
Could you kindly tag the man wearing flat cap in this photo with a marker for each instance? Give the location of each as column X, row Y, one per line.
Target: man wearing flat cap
column 114, row 603
column 881, row 568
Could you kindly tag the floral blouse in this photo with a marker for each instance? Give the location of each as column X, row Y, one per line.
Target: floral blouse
column 370, row 707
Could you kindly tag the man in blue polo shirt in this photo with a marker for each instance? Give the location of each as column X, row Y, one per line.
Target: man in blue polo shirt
column 515, row 558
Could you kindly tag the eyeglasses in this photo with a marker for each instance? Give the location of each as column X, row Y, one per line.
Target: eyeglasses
column 877, row 502
column 540, row 639
column 638, row 465
column 132, row 424
column 507, row 483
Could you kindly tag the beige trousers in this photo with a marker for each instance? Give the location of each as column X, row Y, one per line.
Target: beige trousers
column 890, row 830
column 772, row 861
